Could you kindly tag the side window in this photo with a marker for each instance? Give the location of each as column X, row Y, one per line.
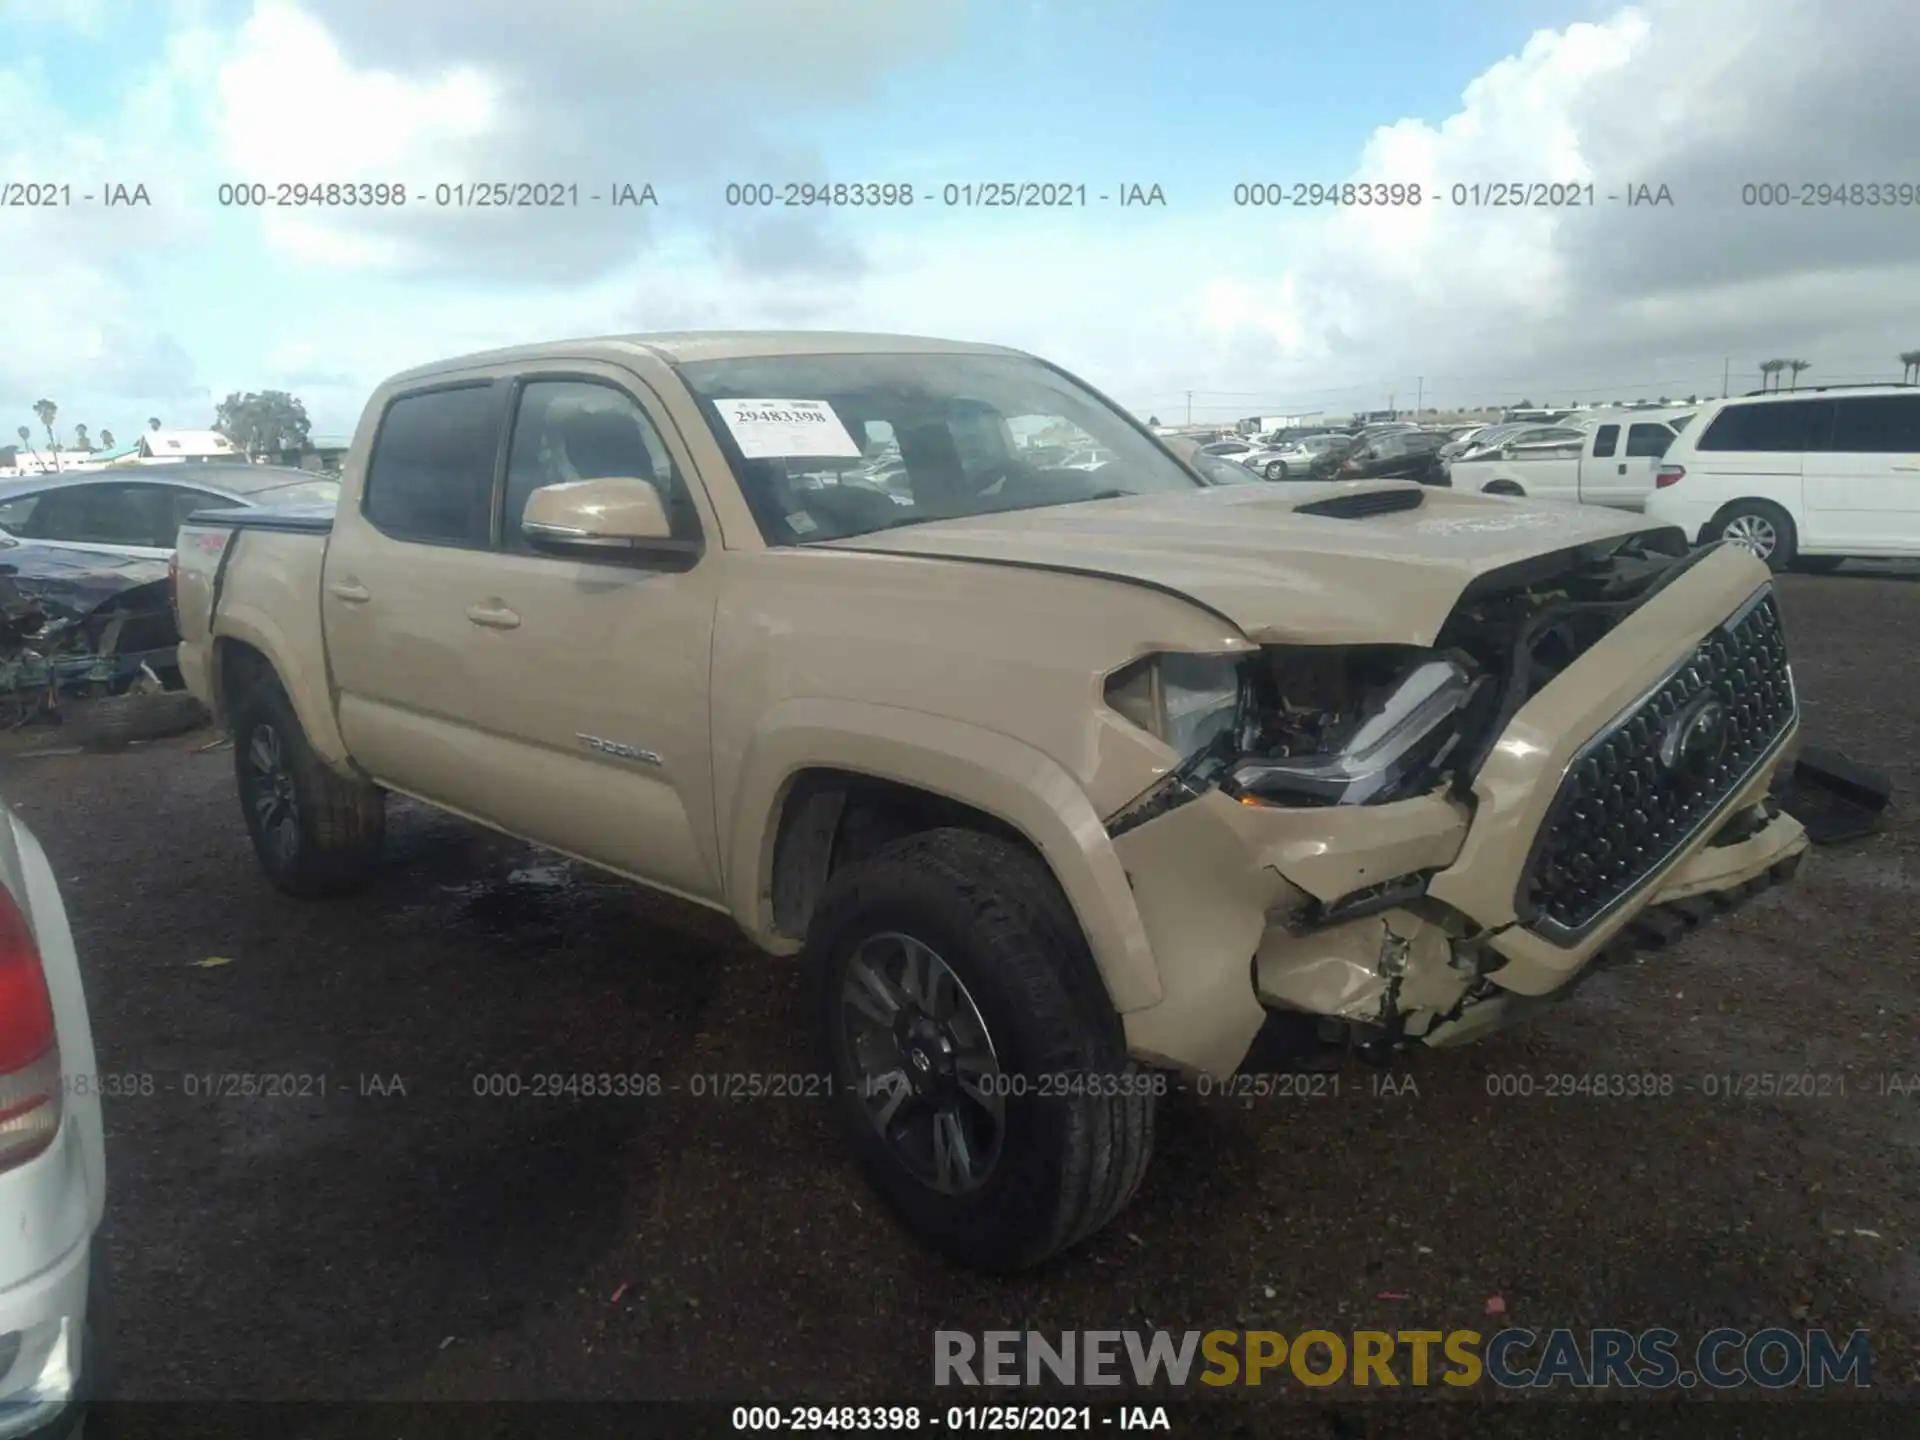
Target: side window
column 102, row 515
column 185, row 502
column 1648, row 440
column 52, row 518
column 582, row 430
column 430, row 477
column 15, row 515
column 1869, row 424
column 1604, row 441
column 1776, row 426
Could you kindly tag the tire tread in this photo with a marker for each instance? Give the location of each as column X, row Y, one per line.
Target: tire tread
column 1024, row 920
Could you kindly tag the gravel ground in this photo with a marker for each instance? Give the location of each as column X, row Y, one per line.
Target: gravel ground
column 401, row 1236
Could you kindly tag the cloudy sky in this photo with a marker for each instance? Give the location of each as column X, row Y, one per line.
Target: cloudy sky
column 119, row 313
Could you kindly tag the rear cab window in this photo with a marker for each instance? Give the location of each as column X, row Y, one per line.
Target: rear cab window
column 1649, row 440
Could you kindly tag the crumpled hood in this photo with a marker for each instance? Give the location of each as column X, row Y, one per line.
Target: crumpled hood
column 1281, row 577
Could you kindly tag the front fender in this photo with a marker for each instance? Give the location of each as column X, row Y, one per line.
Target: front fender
column 983, row 768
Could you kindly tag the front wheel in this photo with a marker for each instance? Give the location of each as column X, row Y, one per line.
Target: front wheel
column 980, row 1072
column 314, row 832
column 1762, row 529
column 1277, row 470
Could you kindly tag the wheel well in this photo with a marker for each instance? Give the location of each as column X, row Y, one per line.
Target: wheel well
column 239, row 667
column 835, row 818
column 1501, row 487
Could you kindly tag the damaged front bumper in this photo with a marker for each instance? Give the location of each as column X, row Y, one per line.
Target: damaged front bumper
column 1440, row 917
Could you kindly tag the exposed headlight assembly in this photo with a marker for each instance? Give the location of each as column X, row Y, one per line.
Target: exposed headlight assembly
column 1296, row 726
column 1381, row 739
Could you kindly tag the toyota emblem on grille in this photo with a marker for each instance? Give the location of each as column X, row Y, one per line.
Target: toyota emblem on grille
column 1695, row 740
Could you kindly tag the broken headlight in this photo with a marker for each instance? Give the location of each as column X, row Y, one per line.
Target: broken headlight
column 1296, row 726
column 1355, row 726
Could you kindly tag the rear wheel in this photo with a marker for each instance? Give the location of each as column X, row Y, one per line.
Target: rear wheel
column 980, row 1072
column 314, row 831
column 1276, row 470
column 1762, row 529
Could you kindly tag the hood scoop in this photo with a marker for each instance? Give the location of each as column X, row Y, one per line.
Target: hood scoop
column 1364, row 505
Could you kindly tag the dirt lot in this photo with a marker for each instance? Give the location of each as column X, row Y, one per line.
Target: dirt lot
column 401, row 1235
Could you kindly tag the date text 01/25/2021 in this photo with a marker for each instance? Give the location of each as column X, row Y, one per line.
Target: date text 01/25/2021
column 961, row 195
column 911, row 1419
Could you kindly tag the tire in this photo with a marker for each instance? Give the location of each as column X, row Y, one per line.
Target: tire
column 327, row 840
column 116, row 720
column 1276, row 470
column 1820, row 564
column 1750, row 523
column 1054, row 1167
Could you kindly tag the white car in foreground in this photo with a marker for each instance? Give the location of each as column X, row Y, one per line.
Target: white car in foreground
column 52, row 1161
column 1800, row 477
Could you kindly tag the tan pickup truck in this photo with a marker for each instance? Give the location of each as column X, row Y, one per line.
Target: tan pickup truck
column 1064, row 772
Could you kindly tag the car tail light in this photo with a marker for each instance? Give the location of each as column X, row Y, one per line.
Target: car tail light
column 29, row 1044
column 1669, row 475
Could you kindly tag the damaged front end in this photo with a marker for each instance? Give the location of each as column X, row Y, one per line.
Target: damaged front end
column 1386, row 843
column 77, row 625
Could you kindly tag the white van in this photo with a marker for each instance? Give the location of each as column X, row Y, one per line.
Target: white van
column 1610, row 463
column 1801, row 476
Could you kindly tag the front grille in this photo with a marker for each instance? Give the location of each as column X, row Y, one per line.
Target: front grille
column 1647, row 784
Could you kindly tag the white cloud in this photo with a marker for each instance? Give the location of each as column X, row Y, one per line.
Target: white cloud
column 1697, row 95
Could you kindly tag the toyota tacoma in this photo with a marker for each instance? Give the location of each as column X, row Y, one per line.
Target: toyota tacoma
column 1058, row 780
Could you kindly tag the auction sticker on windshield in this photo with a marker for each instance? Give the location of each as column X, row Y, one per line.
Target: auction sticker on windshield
column 782, row 429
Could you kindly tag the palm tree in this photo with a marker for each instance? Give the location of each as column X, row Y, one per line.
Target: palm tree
column 47, row 412
column 80, row 438
column 153, row 422
column 106, row 439
column 1909, row 365
column 1796, row 366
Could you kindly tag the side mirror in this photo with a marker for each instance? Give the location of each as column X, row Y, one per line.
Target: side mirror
column 617, row 515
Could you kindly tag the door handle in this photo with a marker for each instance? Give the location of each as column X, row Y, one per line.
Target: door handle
column 1623, row 469
column 494, row 617
column 1908, row 469
column 353, row 594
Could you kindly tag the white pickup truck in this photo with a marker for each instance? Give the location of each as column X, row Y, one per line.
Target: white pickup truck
column 1058, row 780
column 1614, row 464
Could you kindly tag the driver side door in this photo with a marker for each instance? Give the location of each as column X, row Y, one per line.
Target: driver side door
column 590, row 676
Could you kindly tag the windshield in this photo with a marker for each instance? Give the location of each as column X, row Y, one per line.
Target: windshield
column 828, row 446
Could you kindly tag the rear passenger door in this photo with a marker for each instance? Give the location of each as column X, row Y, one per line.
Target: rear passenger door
column 401, row 569
column 1863, row 486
